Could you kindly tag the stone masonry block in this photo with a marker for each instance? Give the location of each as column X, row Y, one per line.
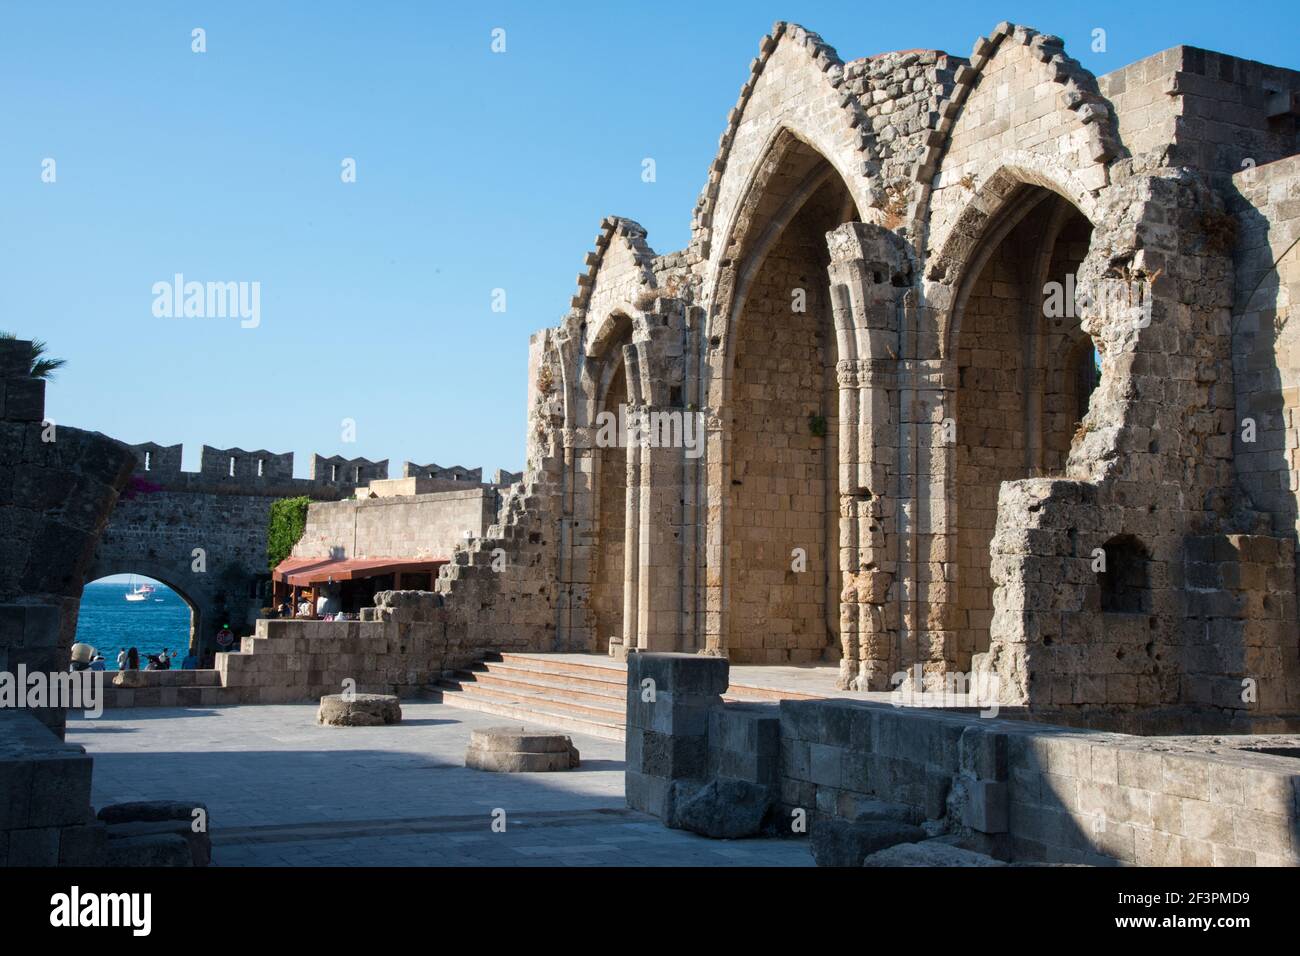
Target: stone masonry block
column 986, row 808
column 680, row 674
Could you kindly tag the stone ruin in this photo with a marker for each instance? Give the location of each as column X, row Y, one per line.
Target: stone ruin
column 973, row 366
column 57, row 487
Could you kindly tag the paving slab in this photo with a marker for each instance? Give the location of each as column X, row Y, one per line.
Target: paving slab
column 282, row 790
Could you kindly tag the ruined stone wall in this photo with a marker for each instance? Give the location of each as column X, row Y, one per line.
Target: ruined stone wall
column 507, row 590
column 57, row 487
column 1017, row 790
column 1266, row 339
column 980, row 472
column 1069, row 373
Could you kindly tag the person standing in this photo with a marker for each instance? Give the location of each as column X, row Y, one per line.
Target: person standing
column 121, row 659
column 133, row 660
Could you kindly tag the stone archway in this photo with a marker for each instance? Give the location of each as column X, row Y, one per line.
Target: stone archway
column 202, row 612
column 774, row 537
column 610, row 471
column 1013, row 343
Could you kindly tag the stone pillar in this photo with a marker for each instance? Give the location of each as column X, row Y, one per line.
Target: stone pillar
column 659, row 426
column 868, row 276
column 632, row 550
column 658, row 535
column 929, row 612
column 669, row 697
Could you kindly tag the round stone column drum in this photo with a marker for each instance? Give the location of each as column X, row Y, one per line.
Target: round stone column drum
column 359, row 710
column 515, row 750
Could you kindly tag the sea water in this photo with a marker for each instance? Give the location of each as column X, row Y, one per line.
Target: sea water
column 109, row 622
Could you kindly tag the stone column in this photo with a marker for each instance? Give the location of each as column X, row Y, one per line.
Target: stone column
column 658, row 536
column 658, row 425
column 869, row 276
column 632, row 549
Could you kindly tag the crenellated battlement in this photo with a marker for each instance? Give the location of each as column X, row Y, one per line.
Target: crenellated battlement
column 154, row 461
column 261, row 472
column 240, row 464
column 251, row 472
column 451, row 473
column 337, row 471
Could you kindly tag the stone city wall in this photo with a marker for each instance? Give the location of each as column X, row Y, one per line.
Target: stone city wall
column 418, row 526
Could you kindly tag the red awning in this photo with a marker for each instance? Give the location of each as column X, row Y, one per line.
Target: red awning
column 300, row 572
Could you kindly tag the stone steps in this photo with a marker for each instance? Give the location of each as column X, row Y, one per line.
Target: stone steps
column 536, row 710
column 554, row 701
column 519, row 680
column 596, row 668
column 565, row 694
column 587, row 694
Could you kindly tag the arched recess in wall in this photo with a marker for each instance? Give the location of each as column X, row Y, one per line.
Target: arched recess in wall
column 609, row 393
column 775, row 545
column 1024, row 372
column 132, row 623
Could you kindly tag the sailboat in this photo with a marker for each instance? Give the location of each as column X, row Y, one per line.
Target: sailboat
column 141, row 593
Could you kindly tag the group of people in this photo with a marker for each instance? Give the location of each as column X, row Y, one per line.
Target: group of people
column 128, row 659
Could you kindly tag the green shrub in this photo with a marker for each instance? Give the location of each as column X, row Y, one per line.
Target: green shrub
column 288, row 519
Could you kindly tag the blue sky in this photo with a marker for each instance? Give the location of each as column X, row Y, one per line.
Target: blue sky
column 475, row 171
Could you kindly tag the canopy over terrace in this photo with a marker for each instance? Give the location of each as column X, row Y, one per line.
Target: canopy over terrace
column 355, row 581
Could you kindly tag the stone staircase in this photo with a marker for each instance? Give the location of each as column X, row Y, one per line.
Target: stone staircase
column 584, row 693
column 587, row 696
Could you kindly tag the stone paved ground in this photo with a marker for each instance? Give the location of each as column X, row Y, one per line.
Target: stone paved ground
column 282, row 790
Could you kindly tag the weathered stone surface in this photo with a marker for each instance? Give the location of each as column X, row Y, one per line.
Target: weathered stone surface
column 159, row 849
column 723, row 809
column 928, row 853
column 143, row 821
column 199, row 842
column 514, row 750
column 860, row 809
column 359, row 710
column 847, row 843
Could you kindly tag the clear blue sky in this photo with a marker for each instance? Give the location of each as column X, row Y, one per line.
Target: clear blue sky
column 475, row 171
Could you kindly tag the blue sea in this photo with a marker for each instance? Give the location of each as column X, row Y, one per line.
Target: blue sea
column 108, row 622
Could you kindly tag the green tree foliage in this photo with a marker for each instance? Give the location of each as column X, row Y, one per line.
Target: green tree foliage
column 288, row 519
